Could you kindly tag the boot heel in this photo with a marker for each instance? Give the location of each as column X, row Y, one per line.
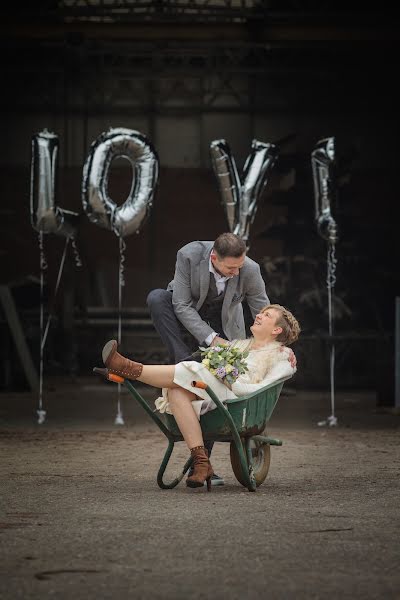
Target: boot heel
column 202, row 470
column 118, row 364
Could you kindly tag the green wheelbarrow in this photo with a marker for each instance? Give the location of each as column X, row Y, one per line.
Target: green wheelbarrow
column 240, row 421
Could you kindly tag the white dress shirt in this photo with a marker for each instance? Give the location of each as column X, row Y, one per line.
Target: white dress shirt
column 220, row 282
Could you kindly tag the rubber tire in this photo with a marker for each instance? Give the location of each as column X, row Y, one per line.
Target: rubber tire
column 261, row 462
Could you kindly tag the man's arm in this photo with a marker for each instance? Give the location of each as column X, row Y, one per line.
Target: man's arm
column 182, row 301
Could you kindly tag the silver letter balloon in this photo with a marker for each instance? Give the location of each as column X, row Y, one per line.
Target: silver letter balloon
column 240, row 197
column 46, row 216
column 97, row 204
column 322, row 160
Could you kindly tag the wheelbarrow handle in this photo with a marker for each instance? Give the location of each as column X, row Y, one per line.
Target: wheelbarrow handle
column 199, row 384
column 107, row 375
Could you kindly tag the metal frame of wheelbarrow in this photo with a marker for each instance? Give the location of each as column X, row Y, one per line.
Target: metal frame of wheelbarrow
column 241, row 420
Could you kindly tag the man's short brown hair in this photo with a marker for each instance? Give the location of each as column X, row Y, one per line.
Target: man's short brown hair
column 229, row 244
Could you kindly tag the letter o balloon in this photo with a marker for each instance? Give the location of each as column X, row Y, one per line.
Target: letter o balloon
column 97, row 204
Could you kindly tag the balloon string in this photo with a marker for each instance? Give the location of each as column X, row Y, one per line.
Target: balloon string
column 43, row 266
column 331, row 280
column 78, row 260
column 119, row 420
column 121, row 283
column 60, row 270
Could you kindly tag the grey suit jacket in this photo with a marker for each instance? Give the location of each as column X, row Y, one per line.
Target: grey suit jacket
column 190, row 286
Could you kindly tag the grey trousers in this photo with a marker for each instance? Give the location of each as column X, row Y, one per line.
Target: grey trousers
column 179, row 342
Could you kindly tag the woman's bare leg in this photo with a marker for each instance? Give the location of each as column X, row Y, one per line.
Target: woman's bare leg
column 156, row 375
column 180, row 402
column 160, row 376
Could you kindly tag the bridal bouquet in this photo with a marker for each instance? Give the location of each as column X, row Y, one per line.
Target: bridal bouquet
column 224, row 362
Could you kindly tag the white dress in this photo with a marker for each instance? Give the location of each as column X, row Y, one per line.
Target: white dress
column 265, row 365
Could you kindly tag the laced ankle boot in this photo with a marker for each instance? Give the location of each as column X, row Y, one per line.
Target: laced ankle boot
column 118, row 364
column 202, row 469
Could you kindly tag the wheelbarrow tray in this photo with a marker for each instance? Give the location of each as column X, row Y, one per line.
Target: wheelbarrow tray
column 250, row 414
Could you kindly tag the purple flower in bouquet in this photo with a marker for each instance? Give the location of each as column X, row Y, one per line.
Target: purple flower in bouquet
column 221, row 372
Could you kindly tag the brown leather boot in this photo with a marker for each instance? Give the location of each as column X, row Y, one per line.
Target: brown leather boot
column 203, row 470
column 118, row 364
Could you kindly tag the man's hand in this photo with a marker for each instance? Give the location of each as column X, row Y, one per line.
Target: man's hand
column 292, row 359
column 218, row 341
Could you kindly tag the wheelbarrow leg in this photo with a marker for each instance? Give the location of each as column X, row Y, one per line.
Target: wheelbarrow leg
column 161, row 471
column 249, row 457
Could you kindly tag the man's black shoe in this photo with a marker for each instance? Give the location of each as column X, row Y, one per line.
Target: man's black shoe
column 216, row 480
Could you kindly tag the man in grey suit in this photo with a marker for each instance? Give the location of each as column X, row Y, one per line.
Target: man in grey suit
column 202, row 305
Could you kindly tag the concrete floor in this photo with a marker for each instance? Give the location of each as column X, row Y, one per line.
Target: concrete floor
column 82, row 515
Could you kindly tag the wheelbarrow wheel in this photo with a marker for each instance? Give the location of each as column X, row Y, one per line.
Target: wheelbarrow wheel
column 261, row 454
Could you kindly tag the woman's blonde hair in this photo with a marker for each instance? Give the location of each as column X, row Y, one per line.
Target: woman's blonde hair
column 290, row 325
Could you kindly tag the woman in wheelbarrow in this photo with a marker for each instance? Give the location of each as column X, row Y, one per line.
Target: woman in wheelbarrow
column 268, row 360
